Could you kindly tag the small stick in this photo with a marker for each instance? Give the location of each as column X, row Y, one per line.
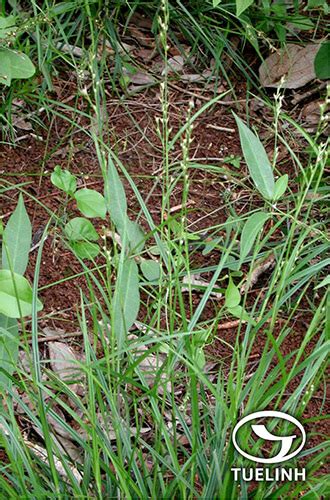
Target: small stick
column 222, row 129
column 309, row 93
column 54, row 338
column 230, row 324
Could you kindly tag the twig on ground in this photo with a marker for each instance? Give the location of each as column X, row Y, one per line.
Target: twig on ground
column 60, row 336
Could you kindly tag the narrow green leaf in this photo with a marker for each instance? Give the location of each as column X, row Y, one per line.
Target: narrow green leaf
column 323, row 283
column 64, row 180
column 91, row 203
column 211, row 245
column 257, row 160
column 150, row 269
column 280, row 186
column 232, row 295
column 80, row 229
column 252, row 227
column 17, row 237
column 115, row 196
column 126, row 299
column 9, row 340
column 16, row 295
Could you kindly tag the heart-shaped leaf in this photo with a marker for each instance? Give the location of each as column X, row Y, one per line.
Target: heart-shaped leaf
column 16, row 295
column 14, row 65
column 91, row 203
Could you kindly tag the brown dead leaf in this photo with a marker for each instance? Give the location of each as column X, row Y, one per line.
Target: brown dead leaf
column 295, row 64
column 139, row 78
column 64, row 362
column 311, row 114
column 141, row 37
column 174, row 65
column 195, row 282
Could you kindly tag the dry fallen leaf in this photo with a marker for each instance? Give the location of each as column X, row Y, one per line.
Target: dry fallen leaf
column 194, row 281
column 295, row 64
column 150, row 366
column 311, row 114
column 139, row 78
column 64, row 362
column 174, row 64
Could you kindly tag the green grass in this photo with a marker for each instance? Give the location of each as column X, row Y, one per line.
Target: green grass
column 151, row 422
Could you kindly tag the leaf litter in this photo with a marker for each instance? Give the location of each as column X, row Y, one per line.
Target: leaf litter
column 290, row 68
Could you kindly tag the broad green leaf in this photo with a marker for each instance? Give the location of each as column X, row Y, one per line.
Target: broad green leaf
column 252, row 227
column 17, row 237
column 232, row 295
column 7, row 24
column 80, row 229
column 126, row 299
column 135, row 236
column 216, row 3
column 150, row 269
column 115, row 196
column 9, row 340
column 16, row 295
column 85, row 249
column 5, row 67
column 242, row 5
column 64, row 180
column 14, row 65
column 240, row 313
column 314, row 4
column 199, row 358
column 91, row 203
column 280, row 186
column 8, row 324
column 322, row 61
column 257, row 160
